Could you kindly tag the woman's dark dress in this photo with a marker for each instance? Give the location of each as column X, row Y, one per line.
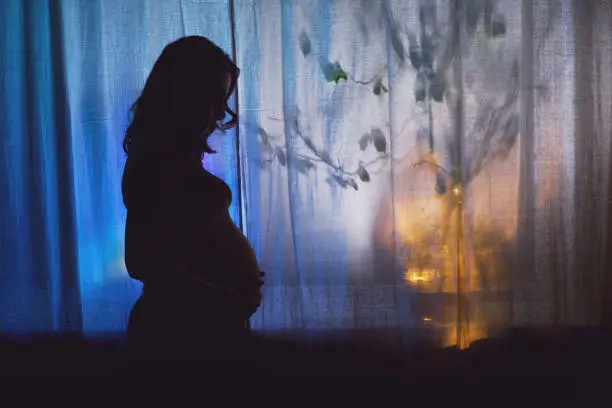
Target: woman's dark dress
column 171, row 205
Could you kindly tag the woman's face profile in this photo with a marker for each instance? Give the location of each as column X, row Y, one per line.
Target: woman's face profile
column 216, row 112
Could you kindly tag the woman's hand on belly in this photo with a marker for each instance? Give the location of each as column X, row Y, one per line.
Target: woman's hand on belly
column 246, row 293
column 256, row 297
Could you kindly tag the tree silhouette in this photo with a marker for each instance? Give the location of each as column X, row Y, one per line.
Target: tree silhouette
column 432, row 56
column 435, row 54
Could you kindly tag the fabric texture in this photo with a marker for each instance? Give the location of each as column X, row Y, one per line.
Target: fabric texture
column 416, row 165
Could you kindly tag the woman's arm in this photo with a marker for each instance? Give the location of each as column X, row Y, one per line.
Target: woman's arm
column 252, row 298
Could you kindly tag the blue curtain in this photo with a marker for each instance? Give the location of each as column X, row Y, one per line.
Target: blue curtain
column 69, row 71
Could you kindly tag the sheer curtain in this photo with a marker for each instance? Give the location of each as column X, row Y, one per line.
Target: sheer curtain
column 432, row 166
column 428, row 164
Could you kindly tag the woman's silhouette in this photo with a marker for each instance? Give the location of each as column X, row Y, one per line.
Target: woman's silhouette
column 201, row 278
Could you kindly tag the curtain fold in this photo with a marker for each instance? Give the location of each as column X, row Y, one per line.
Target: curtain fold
column 438, row 167
column 38, row 239
column 593, row 135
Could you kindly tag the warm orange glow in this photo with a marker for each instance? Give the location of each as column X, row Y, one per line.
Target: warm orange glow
column 424, row 223
column 475, row 333
column 418, row 275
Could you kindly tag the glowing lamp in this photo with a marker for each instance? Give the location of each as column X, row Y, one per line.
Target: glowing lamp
column 416, row 276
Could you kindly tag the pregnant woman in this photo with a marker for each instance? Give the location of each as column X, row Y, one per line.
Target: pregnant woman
column 201, row 277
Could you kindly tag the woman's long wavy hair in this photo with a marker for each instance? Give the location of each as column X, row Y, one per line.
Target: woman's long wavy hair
column 184, row 99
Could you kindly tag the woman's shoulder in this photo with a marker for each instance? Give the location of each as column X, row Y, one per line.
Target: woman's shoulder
column 176, row 179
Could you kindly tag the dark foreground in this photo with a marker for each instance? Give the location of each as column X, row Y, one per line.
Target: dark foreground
column 558, row 365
